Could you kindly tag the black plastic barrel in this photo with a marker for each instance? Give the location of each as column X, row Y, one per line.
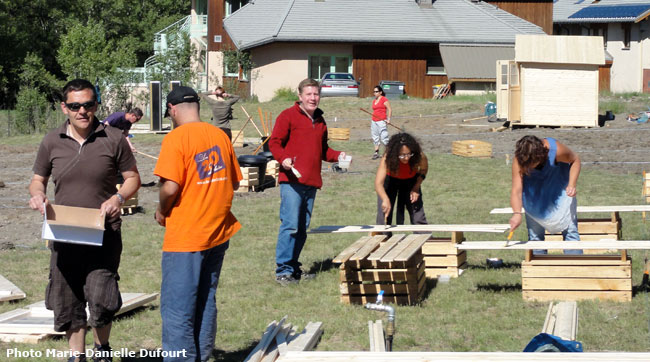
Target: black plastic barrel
column 254, row 161
column 267, row 154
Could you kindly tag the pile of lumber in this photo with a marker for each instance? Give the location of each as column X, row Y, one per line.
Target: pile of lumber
column 472, row 148
column 9, row 291
column 250, row 179
column 378, row 263
column 33, row 323
column 280, row 338
column 272, row 173
column 339, row 134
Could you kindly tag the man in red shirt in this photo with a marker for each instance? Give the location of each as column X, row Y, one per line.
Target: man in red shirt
column 299, row 143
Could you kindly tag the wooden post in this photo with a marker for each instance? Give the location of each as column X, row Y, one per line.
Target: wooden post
column 457, row 237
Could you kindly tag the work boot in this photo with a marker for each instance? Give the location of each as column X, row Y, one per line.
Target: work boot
column 102, row 353
column 286, row 279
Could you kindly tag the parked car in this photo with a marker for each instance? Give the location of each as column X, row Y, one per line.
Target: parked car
column 339, row 85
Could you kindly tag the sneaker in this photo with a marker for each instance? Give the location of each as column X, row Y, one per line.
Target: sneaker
column 286, row 279
column 82, row 358
column 103, row 353
column 375, row 156
column 304, row 276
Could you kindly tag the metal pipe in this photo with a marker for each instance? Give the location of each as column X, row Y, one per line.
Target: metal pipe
column 390, row 326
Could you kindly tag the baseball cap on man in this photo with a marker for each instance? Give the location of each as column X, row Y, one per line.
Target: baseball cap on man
column 181, row 94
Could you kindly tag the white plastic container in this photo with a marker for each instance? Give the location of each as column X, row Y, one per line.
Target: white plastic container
column 344, row 162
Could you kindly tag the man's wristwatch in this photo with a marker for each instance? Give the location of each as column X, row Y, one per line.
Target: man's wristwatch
column 120, row 198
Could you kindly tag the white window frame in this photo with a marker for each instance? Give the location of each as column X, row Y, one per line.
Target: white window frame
column 332, row 63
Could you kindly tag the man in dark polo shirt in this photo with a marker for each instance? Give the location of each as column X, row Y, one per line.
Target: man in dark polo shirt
column 83, row 156
column 124, row 121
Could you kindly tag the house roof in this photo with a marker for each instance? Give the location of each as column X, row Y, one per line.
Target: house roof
column 387, row 21
column 604, row 11
column 463, row 61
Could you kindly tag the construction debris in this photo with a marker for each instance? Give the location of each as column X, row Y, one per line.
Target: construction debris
column 278, row 339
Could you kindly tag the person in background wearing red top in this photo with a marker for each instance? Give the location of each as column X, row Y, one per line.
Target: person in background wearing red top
column 299, row 143
column 199, row 172
column 399, row 176
column 381, row 113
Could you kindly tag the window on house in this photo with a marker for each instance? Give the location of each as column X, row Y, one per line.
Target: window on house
column 504, row 74
column 435, row 66
column 234, row 5
column 627, row 35
column 232, row 70
column 321, row 64
column 201, row 7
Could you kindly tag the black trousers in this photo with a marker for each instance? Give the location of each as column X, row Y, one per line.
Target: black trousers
column 400, row 190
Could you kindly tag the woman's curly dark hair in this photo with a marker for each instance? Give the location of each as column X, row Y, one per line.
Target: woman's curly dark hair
column 530, row 152
column 393, row 147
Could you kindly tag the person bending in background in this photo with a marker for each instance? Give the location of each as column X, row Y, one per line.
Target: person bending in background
column 221, row 108
column 124, row 121
column 381, row 113
column 399, row 176
column 544, row 177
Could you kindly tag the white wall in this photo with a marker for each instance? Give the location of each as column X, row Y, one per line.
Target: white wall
column 280, row 65
column 474, row 88
column 626, row 72
column 559, row 95
column 215, row 70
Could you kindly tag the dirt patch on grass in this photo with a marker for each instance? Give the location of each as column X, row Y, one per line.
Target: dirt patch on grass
column 619, row 147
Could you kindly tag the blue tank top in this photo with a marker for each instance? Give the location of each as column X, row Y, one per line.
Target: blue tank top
column 544, row 190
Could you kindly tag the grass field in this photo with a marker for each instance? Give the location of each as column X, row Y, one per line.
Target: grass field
column 482, row 310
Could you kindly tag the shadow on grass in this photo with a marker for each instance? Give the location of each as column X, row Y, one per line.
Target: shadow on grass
column 321, row 266
column 135, row 311
column 639, row 290
column 499, row 287
column 483, row 266
column 429, row 285
column 234, row 356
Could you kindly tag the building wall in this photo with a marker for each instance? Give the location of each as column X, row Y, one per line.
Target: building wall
column 538, row 12
column 214, row 69
column 373, row 63
column 279, row 65
column 216, row 13
column 473, row 88
column 559, row 95
column 627, row 73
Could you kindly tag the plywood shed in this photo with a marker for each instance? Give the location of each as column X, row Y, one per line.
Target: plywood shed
column 553, row 81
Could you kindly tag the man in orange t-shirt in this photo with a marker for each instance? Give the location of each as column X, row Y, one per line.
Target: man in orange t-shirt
column 199, row 173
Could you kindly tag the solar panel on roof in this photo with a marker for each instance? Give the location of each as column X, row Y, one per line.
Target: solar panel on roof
column 610, row 11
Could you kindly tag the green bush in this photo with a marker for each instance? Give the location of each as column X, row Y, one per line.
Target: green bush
column 32, row 111
column 285, row 94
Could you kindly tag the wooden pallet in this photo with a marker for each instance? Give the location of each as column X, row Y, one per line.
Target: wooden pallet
column 250, row 179
column 472, row 148
column 373, row 264
column 577, row 277
column 339, row 134
column 441, row 256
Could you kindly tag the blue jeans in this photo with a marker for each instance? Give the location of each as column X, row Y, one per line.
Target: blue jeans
column 187, row 302
column 295, row 215
column 536, row 232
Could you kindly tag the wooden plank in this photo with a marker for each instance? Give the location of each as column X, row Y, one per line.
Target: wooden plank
column 273, row 350
column 368, row 247
column 571, row 295
column 571, row 271
column 439, row 246
column 386, row 247
column 412, row 287
column 360, row 356
column 281, row 339
column 562, row 320
column 395, row 299
column 269, row 335
column 397, row 249
column 452, row 271
column 583, row 237
column 569, row 284
column 350, row 250
column 374, row 264
column 587, row 209
column 9, row 291
column 445, row 261
column 415, row 247
column 307, row 339
column 380, row 340
column 371, row 335
column 23, row 338
column 382, row 275
column 486, row 228
column 529, row 245
column 564, row 260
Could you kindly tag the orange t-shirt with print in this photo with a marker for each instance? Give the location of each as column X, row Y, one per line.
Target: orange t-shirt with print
column 199, row 157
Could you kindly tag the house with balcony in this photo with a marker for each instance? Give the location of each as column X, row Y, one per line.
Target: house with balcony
column 625, row 28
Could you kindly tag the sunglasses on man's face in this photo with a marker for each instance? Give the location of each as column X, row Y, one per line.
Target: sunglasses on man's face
column 77, row 106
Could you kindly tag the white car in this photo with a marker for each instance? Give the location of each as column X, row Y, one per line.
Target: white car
column 339, row 85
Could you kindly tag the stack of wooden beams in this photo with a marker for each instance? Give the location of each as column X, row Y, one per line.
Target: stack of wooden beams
column 272, row 173
column 339, row 134
column 472, row 148
column 33, row 323
column 250, row 179
column 441, row 257
column 373, row 264
column 279, row 339
column 593, row 230
column 130, row 206
column 577, row 277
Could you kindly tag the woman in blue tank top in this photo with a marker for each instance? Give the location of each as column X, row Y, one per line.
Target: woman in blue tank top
column 544, row 177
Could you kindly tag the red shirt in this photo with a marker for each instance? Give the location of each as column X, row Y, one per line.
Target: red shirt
column 379, row 109
column 296, row 137
column 405, row 172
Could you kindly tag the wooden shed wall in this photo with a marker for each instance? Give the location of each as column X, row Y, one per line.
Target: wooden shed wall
column 373, row 63
column 538, row 12
column 216, row 13
column 559, row 95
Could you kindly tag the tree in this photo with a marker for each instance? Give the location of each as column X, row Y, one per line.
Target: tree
column 38, row 89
